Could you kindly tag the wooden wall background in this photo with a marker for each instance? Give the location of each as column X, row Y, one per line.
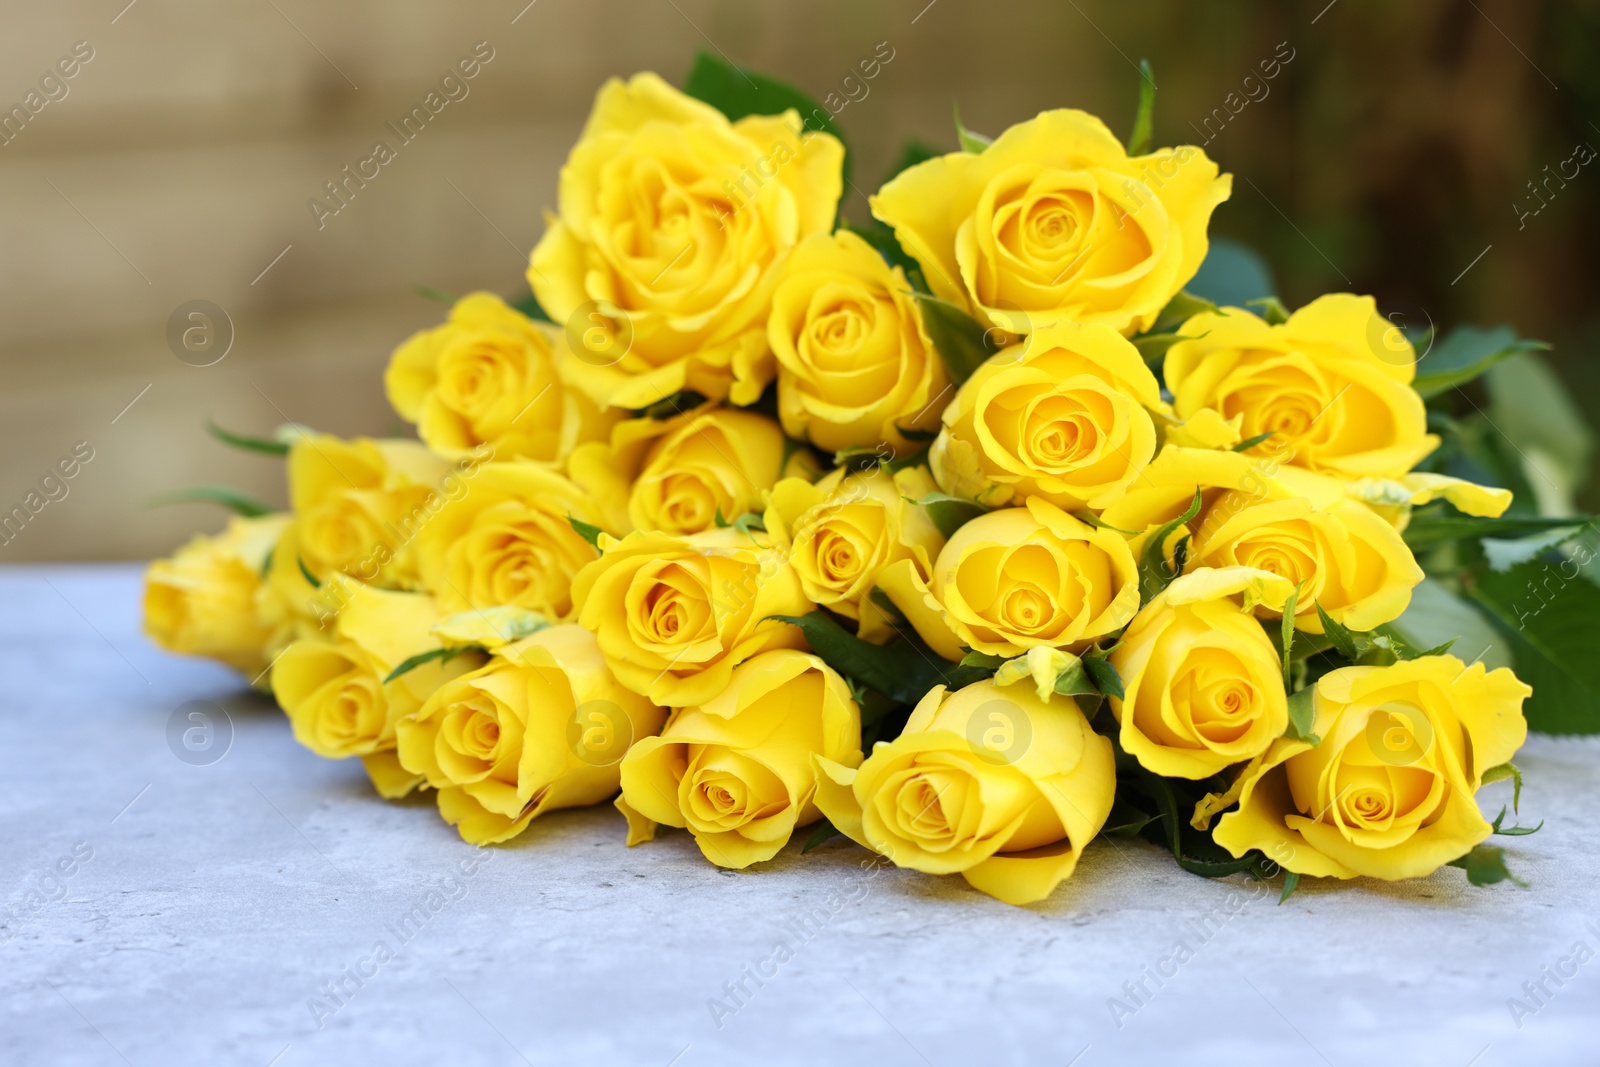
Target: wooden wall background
column 180, row 162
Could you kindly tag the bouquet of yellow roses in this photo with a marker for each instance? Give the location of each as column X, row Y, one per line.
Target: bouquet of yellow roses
column 967, row 533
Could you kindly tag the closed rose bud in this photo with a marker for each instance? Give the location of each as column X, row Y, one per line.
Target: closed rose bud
column 544, row 725
column 675, row 615
column 737, row 769
column 492, row 378
column 202, row 601
column 1055, row 222
column 1203, row 684
column 996, row 785
column 855, row 365
column 1388, row 789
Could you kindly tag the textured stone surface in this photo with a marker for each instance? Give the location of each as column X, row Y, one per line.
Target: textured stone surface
column 219, row 899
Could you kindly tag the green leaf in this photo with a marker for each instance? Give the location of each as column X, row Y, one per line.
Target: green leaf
column 912, row 152
column 1538, row 415
column 1154, row 570
column 1104, row 673
column 1287, row 626
column 1302, row 716
column 305, row 572
column 1512, row 831
column 1502, row 554
column 1466, row 352
column 1291, row 882
column 750, row 520
column 1500, row 774
column 969, row 141
column 1271, row 309
column 436, row 294
column 1486, row 865
column 1342, row 638
column 1548, row 618
column 1250, row 442
column 1434, row 526
column 673, row 406
column 1436, row 650
column 529, row 306
column 1075, row 681
column 269, row 446
column 589, row 533
column 1179, row 310
column 982, row 660
column 443, row 655
column 902, row 670
column 962, row 341
column 949, row 513
column 1144, row 116
column 1152, row 346
column 737, row 92
column 824, row 832
column 911, row 433
column 1232, row 274
column 1436, row 615
column 235, row 500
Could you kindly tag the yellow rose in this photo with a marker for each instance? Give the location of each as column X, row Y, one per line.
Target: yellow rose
column 287, row 604
column 844, row 532
column 1001, row 787
column 1063, row 416
column 720, row 461
column 491, row 376
column 1055, row 222
column 736, row 770
column 675, row 615
column 506, row 541
column 854, row 362
column 1019, row 578
column 1203, row 683
column 1333, row 384
column 1344, row 556
column 673, row 225
column 202, row 601
column 542, row 726
column 1388, row 792
column 334, row 691
column 359, row 504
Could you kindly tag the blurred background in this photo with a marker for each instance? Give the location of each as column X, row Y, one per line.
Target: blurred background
column 1422, row 152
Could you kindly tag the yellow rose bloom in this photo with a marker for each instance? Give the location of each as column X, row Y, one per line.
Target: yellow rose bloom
column 675, row 615
column 843, row 533
column 507, row 541
column 491, row 376
column 334, row 690
column 1064, row 417
column 737, row 770
column 542, row 726
column 1055, row 222
column 1333, row 384
column 202, row 601
column 854, row 362
column 719, row 461
column 358, row 504
column 289, row 606
column 1203, row 683
column 1020, row 578
column 1388, row 793
column 1345, row 556
column 673, row 225
column 997, row 785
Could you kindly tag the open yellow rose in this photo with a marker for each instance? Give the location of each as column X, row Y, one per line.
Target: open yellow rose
column 1345, row 556
column 1055, row 222
column 675, row 615
column 855, row 365
column 1388, row 792
column 334, row 690
column 1203, row 683
column 1332, row 384
column 995, row 784
column 1063, row 416
column 491, row 376
column 1019, row 578
column 202, row 601
column 508, row 541
column 844, row 532
column 542, row 726
column 720, row 461
column 737, row 770
column 359, row 503
column 673, row 224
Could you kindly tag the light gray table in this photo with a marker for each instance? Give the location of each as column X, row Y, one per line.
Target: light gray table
column 220, row 899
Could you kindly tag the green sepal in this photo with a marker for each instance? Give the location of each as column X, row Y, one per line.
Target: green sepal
column 235, row 500
column 1302, row 717
column 1500, row 774
column 1486, row 865
column 1271, row 309
column 1154, row 571
column 1291, row 882
column 963, row 342
column 949, row 513
column 969, row 141
column 822, row 833
column 588, row 532
column 1144, row 115
column 271, row 446
column 443, row 655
